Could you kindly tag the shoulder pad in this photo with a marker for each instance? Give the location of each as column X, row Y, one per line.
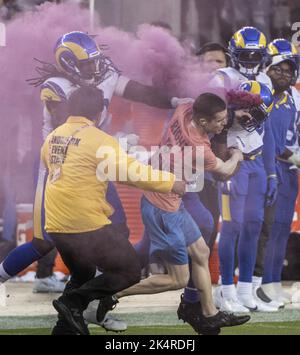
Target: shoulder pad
column 56, row 89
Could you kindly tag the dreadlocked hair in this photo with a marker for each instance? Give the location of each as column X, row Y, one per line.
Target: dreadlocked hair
column 45, row 71
column 239, row 100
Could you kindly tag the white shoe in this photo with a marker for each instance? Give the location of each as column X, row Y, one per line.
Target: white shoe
column 228, row 305
column 217, row 297
column 247, row 301
column 264, row 307
column 109, row 323
column 276, row 292
column 263, row 300
column 296, row 297
column 48, row 285
column 28, row 277
column 113, row 324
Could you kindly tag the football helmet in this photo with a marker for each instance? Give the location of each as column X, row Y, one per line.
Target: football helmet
column 281, row 50
column 81, row 59
column 261, row 109
column 248, row 51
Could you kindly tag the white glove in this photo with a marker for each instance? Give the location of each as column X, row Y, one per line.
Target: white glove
column 127, row 141
column 175, row 101
column 294, row 159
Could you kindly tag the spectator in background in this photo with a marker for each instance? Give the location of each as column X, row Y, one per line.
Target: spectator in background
column 213, row 56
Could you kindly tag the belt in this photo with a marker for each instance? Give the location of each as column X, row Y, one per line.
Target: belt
column 252, row 156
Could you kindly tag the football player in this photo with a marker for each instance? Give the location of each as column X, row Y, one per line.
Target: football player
column 243, row 201
column 283, row 71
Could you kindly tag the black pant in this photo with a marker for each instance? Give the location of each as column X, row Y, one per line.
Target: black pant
column 105, row 249
column 46, row 265
column 263, row 240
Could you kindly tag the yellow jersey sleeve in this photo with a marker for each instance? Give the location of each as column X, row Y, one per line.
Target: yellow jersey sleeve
column 116, row 165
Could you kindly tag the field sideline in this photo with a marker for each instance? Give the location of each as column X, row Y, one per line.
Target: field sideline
column 28, row 313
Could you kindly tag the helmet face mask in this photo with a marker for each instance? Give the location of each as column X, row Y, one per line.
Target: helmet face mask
column 248, row 51
column 258, row 116
column 256, row 101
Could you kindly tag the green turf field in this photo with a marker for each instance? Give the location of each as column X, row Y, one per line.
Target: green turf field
column 276, row 328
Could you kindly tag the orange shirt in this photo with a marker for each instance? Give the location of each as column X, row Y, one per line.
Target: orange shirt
column 182, row 133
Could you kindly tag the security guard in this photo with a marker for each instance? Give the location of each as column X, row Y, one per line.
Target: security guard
column 78, row 157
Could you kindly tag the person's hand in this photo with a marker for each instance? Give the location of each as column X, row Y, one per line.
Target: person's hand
column 229, row 187
column 179, row 188
column 175, row 101
column 237, row 154
column 127, row 141
column 272, row 191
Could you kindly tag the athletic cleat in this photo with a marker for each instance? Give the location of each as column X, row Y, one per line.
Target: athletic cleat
column 231, row 305
column 224, row 319
column 191, row 313
column 113, row 324
column 109, row 323
column 283, row 296
column 62, row 328
column 275, row 292
column 48, row 285
column 207, row 325
column 106, row 304
column 260, row 296
column 71, row 315
column 247, row 301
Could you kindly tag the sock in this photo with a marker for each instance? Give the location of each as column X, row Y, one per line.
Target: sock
column 3, row 275
column 244, row 288
column 191, row 294
column 20, row 258
column 229, row 292
column 256, row 281
column 247, row 250
column 228, row 238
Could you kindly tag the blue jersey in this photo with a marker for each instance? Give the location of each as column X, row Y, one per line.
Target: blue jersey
column 281, row 118
column 292, row 137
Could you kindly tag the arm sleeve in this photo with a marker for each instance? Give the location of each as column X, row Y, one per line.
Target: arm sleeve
column 146, row 94
column 45, row 154
column 131, row 172
column 269, row 150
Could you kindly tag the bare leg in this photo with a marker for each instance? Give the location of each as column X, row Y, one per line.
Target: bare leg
column 199, row 253
column 177, row 278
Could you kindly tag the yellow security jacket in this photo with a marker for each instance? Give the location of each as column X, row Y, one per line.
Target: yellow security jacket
column 78, row 155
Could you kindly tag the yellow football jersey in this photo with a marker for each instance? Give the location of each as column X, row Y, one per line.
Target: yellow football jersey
column 78, row 156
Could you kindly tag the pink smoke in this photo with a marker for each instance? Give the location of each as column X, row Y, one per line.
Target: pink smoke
column 152, row 56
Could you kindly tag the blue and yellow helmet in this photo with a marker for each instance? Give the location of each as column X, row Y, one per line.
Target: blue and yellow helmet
column 248, row 51
column 260, row 111
column 80, row 58
column 281, row 50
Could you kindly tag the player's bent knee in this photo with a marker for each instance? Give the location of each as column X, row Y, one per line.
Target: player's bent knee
column 180, row 283
column 42, row 246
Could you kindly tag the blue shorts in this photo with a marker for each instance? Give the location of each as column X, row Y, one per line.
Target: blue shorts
column 170, row 233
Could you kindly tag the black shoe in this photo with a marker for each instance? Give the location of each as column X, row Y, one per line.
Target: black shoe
column 223, row 319
column 62, row 328
column 72, row 315
column 191, row 313
column 106, row 304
